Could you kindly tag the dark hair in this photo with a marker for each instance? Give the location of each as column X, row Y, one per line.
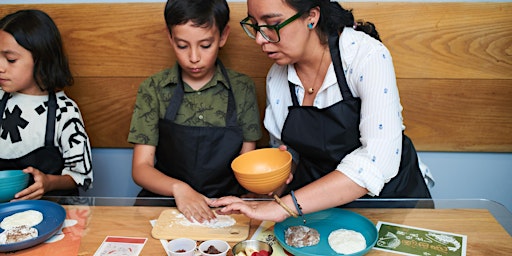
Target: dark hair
column 205, row 13
column 333, row 17
column 35, row 31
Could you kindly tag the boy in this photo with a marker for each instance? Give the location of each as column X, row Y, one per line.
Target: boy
column 194, row 118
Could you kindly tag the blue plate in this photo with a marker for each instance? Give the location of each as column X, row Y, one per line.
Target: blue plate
column 325, row 222
column 53, row 218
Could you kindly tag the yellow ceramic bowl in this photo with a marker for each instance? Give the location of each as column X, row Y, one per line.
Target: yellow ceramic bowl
column 263, row 170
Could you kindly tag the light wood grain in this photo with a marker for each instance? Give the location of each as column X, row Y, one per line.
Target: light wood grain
column 444, row 40
column 459, row 114
column 169, row 226
column 106, row 221
column 453, row 63
column 485, row 235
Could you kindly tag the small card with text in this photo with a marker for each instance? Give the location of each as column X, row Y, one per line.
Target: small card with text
column 119, row 245
column 407, row 240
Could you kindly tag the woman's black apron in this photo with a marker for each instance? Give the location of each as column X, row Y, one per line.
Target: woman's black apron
column 199, row 156
column 47, row 159
column 323, row 137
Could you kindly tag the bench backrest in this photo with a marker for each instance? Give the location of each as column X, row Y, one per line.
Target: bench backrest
column 453, row 63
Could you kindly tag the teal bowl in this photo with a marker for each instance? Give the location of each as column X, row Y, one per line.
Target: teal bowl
column 12, row 182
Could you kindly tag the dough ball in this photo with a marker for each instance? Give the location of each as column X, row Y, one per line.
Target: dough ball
column 301, row 236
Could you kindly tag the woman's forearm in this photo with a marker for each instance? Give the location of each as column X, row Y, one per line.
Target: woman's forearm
column 332, row 190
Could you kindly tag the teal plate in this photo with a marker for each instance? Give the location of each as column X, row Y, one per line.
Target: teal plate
column 325, row 222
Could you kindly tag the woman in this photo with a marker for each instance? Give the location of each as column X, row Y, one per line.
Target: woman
column 347, row 131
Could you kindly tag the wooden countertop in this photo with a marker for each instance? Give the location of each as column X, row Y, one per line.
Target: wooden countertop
column 485, row 235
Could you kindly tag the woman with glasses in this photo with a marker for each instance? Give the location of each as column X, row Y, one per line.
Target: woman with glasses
column 332, row 99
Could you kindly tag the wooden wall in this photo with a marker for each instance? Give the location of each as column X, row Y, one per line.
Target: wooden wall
column 453, row 63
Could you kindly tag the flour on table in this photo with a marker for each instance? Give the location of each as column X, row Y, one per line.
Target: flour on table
column 220, row 221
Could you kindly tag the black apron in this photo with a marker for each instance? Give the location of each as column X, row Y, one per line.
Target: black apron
column 199, row 156
column 47, row 159
column 323, row 137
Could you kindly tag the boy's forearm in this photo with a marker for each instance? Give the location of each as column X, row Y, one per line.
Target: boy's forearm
column 248, row 146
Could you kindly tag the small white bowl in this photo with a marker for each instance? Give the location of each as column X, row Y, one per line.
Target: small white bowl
column 220, row 245
column 181, row 247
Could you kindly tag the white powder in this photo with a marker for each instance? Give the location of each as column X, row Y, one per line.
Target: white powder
column 221, row 221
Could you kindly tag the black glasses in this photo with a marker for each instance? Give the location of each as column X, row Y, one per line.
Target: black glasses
column 269, row 32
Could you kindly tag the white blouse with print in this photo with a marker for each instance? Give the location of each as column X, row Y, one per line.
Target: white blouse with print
column 370, row 75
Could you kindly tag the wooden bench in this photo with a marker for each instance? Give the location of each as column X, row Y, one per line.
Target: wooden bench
column 453, row 63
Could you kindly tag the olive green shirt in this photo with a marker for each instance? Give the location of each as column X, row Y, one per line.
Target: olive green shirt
column 205, row 107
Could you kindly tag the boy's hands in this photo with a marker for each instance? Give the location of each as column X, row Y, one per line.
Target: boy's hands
column 193, row 205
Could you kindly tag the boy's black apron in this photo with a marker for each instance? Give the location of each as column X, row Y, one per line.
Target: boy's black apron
column 323, row 137
column 47, row 159
column 199, row 156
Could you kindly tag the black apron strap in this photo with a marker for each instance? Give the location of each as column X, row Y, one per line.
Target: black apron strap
column 176, row 98
column 231, row 111
column 3, row 104
column 51, row 119
column 293, row 94
column 334, row 49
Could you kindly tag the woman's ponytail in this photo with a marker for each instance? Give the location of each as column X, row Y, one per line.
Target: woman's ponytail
column 367, row 27
column 333, row 17
column 339, row 18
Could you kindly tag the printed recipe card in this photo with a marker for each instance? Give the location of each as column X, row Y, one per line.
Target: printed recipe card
column 118, row 245
column 409, row 240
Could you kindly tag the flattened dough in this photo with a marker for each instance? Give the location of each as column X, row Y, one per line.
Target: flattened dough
column 26, row 218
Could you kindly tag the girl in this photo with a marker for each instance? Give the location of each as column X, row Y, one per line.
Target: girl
column 41, row 129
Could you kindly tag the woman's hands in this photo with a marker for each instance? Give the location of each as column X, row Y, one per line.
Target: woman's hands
column 280, row 190
column 260, row 210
